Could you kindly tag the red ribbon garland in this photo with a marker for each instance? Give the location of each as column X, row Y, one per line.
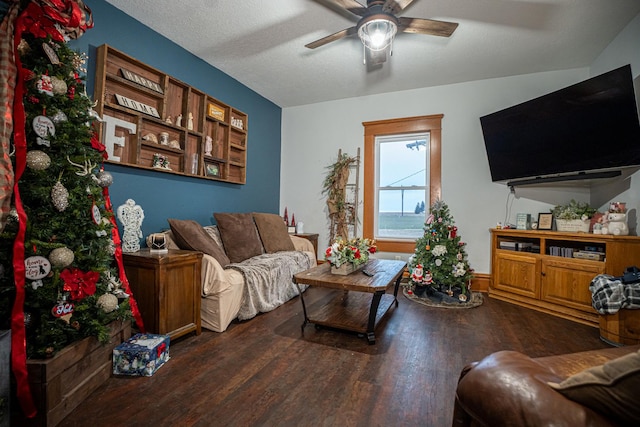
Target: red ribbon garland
column 18, row 333
column 122, row 274
column 41, row 20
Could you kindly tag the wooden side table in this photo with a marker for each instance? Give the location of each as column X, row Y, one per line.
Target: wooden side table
column 312, row 237
column 167, row 290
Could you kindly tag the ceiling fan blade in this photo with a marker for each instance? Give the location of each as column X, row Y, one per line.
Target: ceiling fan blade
column 351, row 5
column 395, row 6
column 333, row 37
column 426, row 26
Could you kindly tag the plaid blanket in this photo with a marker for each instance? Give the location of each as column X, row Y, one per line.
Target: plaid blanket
column 609, row 294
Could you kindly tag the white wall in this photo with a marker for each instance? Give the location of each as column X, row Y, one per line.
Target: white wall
column 313, row 134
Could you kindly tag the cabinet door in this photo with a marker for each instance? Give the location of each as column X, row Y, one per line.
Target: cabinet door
column 516, row 273
column 179, row 296
column 567, row 282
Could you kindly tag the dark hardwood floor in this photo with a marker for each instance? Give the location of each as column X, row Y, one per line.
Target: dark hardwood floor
column 262, row 372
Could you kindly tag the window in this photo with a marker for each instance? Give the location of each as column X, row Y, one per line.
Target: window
column 401, row 186
column 402, row 168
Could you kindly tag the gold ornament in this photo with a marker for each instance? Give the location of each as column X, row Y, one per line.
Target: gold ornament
column 60, row 196
column 61, row 257
column 38, row 160
column 107, row 302
column 59, row 85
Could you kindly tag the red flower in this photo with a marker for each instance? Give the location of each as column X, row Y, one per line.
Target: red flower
column 327, row 253
column 78, row 283
column 372, row 249
column 356, row 253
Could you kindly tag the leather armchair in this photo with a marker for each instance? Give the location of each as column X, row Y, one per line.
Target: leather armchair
column 508, row 388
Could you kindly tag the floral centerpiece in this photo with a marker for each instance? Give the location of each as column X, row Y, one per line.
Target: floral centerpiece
column 352, row 253
column 574, row 216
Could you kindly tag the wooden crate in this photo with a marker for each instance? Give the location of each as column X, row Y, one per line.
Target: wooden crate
column 60, row 384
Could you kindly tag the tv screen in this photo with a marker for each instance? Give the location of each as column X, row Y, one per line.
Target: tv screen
column 591, row 125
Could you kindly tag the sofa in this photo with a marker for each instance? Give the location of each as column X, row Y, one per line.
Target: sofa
column 591, row 388
column 248, row 264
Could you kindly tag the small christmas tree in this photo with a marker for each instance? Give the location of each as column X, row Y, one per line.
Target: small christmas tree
column 439, row 263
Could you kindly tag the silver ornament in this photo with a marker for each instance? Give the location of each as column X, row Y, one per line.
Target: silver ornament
column 60, row 197
column 107, row 302
column 38, row 160
column 13, row 218
column 59, row 85
column 60, row 116
column 105, row 179
column 61, row 257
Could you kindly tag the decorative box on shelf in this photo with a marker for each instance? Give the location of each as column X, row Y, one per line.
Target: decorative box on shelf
column 141, row 355
column 573, row 225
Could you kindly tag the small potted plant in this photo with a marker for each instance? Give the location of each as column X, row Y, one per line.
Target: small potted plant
column 574, row 216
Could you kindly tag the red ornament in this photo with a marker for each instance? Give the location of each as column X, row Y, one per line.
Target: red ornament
column 62, row 309
column 71, row 93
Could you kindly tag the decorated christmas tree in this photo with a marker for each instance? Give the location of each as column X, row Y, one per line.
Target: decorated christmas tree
column 59, row 279
column 439, row 263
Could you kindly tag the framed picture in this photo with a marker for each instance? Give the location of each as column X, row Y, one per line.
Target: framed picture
column 545, row 221
column 215, row 111
column 212, row 169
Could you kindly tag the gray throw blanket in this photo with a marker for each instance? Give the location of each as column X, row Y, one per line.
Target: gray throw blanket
column 268, row 281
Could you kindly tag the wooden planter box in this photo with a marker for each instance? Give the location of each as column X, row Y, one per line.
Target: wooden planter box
column 60, row 384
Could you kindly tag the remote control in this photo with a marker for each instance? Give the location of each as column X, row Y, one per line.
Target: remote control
column 368, row 273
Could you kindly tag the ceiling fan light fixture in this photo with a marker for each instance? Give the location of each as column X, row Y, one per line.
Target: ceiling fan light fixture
column 377, row 33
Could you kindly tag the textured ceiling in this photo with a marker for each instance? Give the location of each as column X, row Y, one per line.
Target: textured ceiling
column 261, row 43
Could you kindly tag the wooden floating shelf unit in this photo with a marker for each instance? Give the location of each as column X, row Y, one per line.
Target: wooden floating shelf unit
column 156, row 122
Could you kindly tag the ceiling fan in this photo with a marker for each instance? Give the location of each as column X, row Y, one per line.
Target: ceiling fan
column 379, row 24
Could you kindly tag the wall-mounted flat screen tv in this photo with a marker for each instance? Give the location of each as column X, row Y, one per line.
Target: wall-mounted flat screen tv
column 589, row 126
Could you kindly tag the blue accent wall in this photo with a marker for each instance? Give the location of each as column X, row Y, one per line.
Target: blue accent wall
column 163, row 195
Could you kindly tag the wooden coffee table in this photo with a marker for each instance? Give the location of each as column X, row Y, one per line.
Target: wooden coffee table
column 354, row 309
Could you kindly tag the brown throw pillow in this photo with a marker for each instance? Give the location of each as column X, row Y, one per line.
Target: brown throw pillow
column 239, row 235
column 273, row 233
column 191, row 236
column 611, row 389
